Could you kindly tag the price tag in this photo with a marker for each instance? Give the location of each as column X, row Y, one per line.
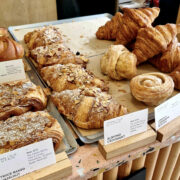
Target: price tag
column 167, row 111
column 24, row 160
column 12, row 71
column 125, row 126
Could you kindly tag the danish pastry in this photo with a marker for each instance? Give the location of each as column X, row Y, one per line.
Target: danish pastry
column 70, row 76
column 118, row 63
column 19, row 97
column 152, row 88
column 28, row 128
column 88, row 108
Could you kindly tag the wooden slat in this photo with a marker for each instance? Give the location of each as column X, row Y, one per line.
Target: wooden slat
column 98, row 177
column 173, row 157
column 124, row 170
column 17, row 12
column 138, row 164
column 150, row 164
column 161, row 163
column 111, row 174
column 176, row 172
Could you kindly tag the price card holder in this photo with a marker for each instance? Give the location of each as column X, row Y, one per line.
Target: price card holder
column 117, row 148
column 62, row 168
column 168, row 130
column 126, row 133
column 167, row 118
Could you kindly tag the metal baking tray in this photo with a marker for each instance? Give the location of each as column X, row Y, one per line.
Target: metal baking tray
column 85, row 139
column 68, row 139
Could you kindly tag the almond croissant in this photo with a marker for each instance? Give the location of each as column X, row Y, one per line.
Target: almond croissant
column 152, row 41
column 109, row 30
column 88, row 108
column 9, row 49
column 168, row 60
column 132, row 21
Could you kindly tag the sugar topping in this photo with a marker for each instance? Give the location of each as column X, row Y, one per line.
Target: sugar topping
column 12, row 93
column 23, row 128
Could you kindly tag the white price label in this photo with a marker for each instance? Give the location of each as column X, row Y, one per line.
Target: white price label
column 125, row 126
column 24, row 160
column 12, row 71
column 167, row 111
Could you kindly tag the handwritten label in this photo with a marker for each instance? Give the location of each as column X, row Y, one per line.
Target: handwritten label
column 12, row 71
column 24, row 160
column 167, row 111
column 125, row 126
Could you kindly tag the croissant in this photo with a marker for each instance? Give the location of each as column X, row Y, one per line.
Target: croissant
column 88, row 108
column 28, row 128
column 132, row 21
column 109, row 30
column 42, row 37
column 168, row 60
column 176, row 77
column 152, row 41
column 9, row 49
column 19, row 97
column 70, row 76
column 55, row 53
column 152, row 88
column 118, row 63
column 3, row 32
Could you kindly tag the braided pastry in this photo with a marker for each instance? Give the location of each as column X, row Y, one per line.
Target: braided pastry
column 9, row 49
column 118, row 63
column 55, row 53
column 42, row 37
column 109, row 30
column 88, row 108
column 152, row 88
column 151, row 41
column 28, row 128
column 168, row 60
column 132, row 21
column 70, row 76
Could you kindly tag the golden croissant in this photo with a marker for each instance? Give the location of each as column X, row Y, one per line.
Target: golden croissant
column 118, row 63
column 152, row 41
column 9, row 49
column 88, row 108
column 168, row 60
column 109, row 30
column 132, row 21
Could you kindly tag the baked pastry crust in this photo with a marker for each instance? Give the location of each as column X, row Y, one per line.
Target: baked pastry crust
column 19, row 97
column 28, row 128
column 118, row 63
column 61, row 77
column 109, row 30
column 10, row 49
column 152, row 88
column 3, row 32
column 42, row 37
column 132, row 21
column 55, row 53
column 176, row 77
column 88, row 108
column 152, row 41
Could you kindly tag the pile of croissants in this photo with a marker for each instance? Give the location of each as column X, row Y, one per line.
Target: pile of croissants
column 157, row 45
column 9, row 49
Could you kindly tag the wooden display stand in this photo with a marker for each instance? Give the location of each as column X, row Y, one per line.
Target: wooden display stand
column 168, row 130
column 112, row 150
column 62, row 168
